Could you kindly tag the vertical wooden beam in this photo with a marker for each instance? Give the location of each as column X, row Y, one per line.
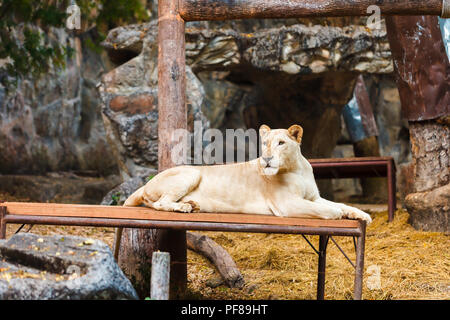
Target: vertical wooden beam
column 172, row 115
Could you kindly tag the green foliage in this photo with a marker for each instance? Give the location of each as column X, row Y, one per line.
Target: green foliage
column 116, row 198
column 24, row 24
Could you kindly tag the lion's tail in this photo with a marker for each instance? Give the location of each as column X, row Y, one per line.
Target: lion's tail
column 135, row 199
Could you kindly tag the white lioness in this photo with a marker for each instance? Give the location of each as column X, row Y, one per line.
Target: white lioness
column 279, row 183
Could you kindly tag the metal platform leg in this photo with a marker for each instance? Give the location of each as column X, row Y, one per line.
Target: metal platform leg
column 323, row 241
column 2, row 223
column 359, row 267
column 392, row 199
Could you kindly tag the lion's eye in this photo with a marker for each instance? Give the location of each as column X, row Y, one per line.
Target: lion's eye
column 280, row 143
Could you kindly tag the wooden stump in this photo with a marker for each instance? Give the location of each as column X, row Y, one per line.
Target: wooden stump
column 160, row 276
column 429, row 204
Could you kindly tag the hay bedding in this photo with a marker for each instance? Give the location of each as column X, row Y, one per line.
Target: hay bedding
column 412, row 264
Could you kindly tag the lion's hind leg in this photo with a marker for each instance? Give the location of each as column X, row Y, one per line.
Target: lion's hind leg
column 172, row 188
column 167, row 203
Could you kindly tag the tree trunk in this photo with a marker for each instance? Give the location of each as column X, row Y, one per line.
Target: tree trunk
column 135, row 255
column 422, row 72
column 429, row 205
column 194, row 10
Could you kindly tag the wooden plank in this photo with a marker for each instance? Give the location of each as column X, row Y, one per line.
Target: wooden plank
column 142, row 213
column 197, row 10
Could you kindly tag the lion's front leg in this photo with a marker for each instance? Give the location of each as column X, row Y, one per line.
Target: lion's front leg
column 301, row 208
column 349, row 212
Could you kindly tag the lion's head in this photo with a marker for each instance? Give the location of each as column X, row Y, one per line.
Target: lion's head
column 280, row 149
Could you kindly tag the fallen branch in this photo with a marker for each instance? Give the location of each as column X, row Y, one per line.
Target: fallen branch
column 218, row 256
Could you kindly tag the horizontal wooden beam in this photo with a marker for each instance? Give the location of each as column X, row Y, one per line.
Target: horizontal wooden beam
column 197, row 10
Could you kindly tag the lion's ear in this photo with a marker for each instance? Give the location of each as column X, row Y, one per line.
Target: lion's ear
column 263, row 130
column 296, row 132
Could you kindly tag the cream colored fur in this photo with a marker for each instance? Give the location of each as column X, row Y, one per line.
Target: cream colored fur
column 279, row 183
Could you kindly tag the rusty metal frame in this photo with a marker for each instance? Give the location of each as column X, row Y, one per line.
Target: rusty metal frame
column 337, row 168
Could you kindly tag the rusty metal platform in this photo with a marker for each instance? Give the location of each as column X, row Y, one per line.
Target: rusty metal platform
column 141, row 217
column 363, row 167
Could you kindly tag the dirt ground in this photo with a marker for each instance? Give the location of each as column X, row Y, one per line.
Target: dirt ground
column 400, row 263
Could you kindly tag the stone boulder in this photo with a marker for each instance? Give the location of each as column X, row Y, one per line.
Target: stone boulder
column 63, row 187
column 119, row 194
column 34, row 267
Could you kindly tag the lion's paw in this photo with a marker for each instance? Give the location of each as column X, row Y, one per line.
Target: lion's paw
column 184, row 207
column 355, row 213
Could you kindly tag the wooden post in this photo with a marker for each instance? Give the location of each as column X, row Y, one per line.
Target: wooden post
column 160, row 276
column 196, row 10
column 172, row 115
column 138, row 245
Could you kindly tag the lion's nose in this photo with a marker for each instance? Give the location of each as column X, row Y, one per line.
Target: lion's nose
column 267, row 160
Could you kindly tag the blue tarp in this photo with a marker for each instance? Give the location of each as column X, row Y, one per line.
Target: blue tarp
column 445, row 30
column 353, row 120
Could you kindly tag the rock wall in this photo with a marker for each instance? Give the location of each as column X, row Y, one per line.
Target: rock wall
column 242, row 74
column 53, row 123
